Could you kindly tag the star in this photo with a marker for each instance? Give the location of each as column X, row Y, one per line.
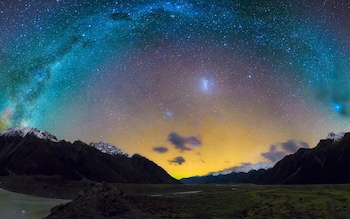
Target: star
column 243, row 75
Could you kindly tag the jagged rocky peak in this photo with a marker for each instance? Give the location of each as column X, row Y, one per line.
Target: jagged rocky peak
column 109, row 149
column 23, row 132
column 335, row 137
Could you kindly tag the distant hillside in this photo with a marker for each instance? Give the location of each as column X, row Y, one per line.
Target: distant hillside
column 250, row 177
column 328, row 162
column 29, row 151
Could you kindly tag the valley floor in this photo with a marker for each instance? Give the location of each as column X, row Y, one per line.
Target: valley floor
column 247, row 201
column 203, row 201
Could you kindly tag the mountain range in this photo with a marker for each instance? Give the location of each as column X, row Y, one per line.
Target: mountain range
column 327, row 163
column 29, row 151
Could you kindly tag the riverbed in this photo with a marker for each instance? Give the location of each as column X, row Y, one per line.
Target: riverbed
column 15, row 205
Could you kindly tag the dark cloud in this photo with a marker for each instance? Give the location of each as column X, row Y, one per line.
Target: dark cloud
column 278, row 151
column 177, row 160
column 289, row 146
column 161, row 149
column 304, row 144
column 273, row 154
column 180, row 142
column 292, row 146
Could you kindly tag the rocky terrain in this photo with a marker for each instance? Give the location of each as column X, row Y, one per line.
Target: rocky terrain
column 98, row 201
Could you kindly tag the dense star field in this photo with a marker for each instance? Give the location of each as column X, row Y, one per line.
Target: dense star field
column 195, row 86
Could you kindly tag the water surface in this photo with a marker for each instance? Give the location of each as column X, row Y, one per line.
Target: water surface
column 15, row 205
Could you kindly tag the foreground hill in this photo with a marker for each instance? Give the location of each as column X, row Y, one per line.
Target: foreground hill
column 31, row 152
column 327, row 163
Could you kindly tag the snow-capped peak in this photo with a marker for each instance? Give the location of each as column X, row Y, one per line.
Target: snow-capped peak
column 23, row 132
column 335, row 137
column 109, row 149
column 245, row 168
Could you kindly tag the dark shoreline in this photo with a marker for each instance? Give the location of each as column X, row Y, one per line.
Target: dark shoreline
column 44, row 186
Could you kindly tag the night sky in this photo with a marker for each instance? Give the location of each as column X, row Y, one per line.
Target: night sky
column 195, row 86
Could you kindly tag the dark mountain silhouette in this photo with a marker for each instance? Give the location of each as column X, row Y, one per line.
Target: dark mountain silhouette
column 36, row 153
column 327, row 163
column 250, row 177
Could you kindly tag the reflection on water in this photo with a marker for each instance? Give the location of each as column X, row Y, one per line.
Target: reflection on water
column 15, row 205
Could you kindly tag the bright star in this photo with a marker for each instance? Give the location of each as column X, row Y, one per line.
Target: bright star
column 337, row 107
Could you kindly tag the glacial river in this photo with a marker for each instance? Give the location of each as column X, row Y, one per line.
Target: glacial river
column 19, row 206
